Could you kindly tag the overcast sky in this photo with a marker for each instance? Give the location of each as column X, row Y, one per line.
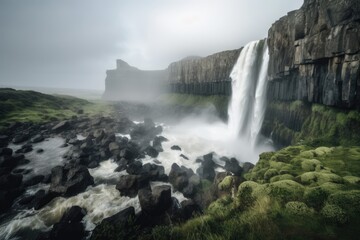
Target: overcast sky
column 71, row 43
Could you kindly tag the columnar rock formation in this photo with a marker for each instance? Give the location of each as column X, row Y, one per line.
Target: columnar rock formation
column 314, row 54
column 204, row 76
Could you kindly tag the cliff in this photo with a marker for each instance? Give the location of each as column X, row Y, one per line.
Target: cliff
column 203, row 76
column 314, row 54
column 132, row 84
column 192, row 75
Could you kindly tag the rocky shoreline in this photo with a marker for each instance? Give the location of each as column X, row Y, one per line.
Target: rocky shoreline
column 90, row 141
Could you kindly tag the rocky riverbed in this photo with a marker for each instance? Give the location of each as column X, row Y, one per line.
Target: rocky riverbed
column 77, row 178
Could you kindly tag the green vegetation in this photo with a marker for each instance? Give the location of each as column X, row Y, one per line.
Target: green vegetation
column 299, row 192
column 198, row 101
column 312, row 124
column 30, row 106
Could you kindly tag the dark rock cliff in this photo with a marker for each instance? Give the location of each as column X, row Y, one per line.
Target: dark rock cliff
column 203, row 76
column 314, row 54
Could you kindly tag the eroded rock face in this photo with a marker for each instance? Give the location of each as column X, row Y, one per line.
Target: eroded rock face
column 314, row 54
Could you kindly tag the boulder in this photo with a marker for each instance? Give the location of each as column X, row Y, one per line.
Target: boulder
column 22, row 137
column 178, row 177
column 233, row 166
column 134, row 168
column 247, row 166
column 34, row 180
column 176, row 148
column 154, row 172
column 61, row 126
column 10, row 181
column 6, row 152
column 70, row 180
column 38, row 138
column 129, row 185
column 151, row 152
column 70, row 226
column 155, row 201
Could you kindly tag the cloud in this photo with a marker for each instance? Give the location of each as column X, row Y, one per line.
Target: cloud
column 72, row 43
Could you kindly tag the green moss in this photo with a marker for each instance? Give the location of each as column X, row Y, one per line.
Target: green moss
column 282, row 177
column 220, row 206
column 257, row 190
column 348, row 200
column 352, row 179
column 270, row 173
column 298, row 208
column 335, row 214
column 286, row 190
column 320, row 178
column 226, row 184
column 310, row 165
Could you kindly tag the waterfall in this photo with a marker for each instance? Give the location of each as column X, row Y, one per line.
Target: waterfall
column 249, row 81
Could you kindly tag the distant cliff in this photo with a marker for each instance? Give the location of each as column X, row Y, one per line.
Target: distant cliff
column 314, row 54
column 192, row 75
column 132, row 84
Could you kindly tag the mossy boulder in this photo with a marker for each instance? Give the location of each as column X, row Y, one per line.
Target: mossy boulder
column 334, row 214
column 282, row 177
column 257, row 189
column 320, row 151
column 315, row 197
column 298, row 208
column 352, row 179
column 318, row 178
column 347, row 200
column 226, row 184
column 270, row 173
column 220, row 206
column 307, row 154
column 309, row 165
column 286, row 190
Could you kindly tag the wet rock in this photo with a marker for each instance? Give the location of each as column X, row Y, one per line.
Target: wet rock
column 4, row 140
column 151, row 152
column 127, row 154
column 120, row 222
column 206, row 170
column 40, row 150
column 155, row 201
column 233, row 166
column 10, row 181
column 154, row 172
column 157, row 143
column 70, row 180
column 178, row 177
column 6, row 152
column 114, row 146
column 184, row 157
column 21, row 138
column 7, row 198
column 134, row 168
column 38, row 138
column 189, row 209
column 34, row 180
column 93, row 164
column 247, row 166
column 129, row 185
column 61, row 126
column 176, row 148
column 70, row 226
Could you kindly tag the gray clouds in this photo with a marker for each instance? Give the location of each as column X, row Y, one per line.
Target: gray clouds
column 71, row 43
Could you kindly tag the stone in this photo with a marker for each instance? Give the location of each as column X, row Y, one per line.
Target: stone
column 151, row 152
column 38, row 138
column 21, row 138
column 233, row 166
column 154, row 172
column 34, row 180
column 178, row 177
column 134, row 168
column 61, row 126
column 155, row 201
column 6, row 152
column 247, row 166
column 184, row 157
column 176, row 148
column 129, row 185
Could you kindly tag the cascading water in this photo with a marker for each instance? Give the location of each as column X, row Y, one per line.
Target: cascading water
column 249, row 80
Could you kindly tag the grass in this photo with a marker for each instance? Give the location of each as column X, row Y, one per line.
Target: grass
column 283, row 206
column 31, row 106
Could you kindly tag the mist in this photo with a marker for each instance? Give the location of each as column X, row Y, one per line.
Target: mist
column 71, row 44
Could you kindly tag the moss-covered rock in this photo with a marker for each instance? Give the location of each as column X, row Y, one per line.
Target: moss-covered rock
column 347, row 200
column 352, row 179
column 282, row 177
column 315, row 197
column 270, row 173
column 334, row 213
column 309, row 165
column 226, row 184
column 257, row 189
column 318, row 178
column 286, row 190
column 298, row 208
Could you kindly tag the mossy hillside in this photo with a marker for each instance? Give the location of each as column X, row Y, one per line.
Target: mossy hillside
column 311, row 124
column 198, row 101
column 31, row 106
column 282, row 206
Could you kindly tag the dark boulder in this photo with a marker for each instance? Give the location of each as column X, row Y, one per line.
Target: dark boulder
column 70, row 180
column 129, row 185
column 38, row 138
column 155, row 201
column 157, row 143
column 7, row 198
column 233, row 166
column 154, row 172
column 70, row 226
column 4, row 140
column 114, row 146
column 178, row 177
column 206, row 170
column 176, row 148
column 22, row 137
column 118, row 226
column 189, row 209
column 6, row 152
column 61, row 126
column 152, row 152
column 247, row 166
column 40, row 150
column 34, row 180
column 127, row 153
column 10, row 181
column 184, row 157
column 134, row 168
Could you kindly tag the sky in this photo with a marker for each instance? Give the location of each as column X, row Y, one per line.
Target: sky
column 71, row 43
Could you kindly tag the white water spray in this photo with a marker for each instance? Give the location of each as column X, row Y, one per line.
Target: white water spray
column 249, row 81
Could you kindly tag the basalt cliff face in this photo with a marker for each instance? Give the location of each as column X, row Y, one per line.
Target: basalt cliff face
column 192, row 75
column 314, row 54
column 203, row 76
